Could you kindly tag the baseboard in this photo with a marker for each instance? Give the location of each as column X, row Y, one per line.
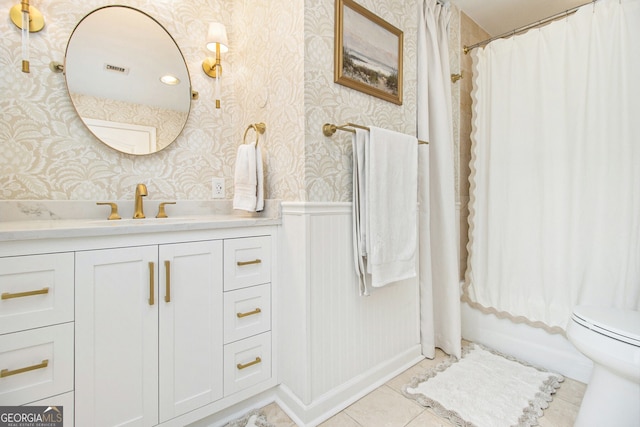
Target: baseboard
column 340, row 397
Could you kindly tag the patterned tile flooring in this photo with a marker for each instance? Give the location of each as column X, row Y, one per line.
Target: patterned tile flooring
column 387, row 407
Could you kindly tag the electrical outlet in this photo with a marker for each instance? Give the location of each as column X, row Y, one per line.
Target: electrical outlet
column 217, row 185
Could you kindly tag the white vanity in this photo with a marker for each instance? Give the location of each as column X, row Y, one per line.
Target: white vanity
column 137, row 322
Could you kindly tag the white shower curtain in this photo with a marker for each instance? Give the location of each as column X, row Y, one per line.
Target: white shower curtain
column 439, row 284
column 555, row 183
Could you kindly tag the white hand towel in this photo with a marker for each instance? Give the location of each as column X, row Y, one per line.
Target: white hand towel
column 259, row 181
column 392, row 196
column 245, row 178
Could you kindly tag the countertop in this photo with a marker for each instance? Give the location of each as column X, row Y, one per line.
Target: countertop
column 29, row 220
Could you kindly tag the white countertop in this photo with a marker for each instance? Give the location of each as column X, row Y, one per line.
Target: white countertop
column 29, row 220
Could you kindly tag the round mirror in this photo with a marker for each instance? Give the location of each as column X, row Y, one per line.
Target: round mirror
column 127, row 80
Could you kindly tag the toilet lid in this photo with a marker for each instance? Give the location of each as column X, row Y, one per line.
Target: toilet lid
column 623, row 325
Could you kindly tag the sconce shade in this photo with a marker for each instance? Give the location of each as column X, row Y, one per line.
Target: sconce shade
column 217, row 34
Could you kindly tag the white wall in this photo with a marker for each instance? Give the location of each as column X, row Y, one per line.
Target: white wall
column 335, row 343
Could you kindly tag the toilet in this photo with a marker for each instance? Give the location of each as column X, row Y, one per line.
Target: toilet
column 611, row 339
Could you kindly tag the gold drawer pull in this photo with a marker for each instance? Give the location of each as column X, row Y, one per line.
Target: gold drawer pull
column 255, row 362
column 8, row 295
column 152, row 281
column 7, row 373
column 255, row 261
column 249, row 313
column 167, row 268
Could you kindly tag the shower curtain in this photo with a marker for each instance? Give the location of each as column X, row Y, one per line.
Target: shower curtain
column 555, row 182
column 440, row 322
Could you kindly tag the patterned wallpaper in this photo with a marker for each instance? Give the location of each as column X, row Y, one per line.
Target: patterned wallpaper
column 47, row 153
column 279, row 70
column 328, row 160
column 269, row 76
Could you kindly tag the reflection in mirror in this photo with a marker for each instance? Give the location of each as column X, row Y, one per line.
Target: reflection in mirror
column 127, row 80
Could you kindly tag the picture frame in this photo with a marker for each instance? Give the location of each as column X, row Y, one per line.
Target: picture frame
column 368, row 52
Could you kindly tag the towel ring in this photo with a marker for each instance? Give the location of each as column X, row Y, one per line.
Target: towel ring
column 260, row 128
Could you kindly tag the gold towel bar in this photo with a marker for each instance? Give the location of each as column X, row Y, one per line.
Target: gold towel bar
column 328, row 129
column 260, row 128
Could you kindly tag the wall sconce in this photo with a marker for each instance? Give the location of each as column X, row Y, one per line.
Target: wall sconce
column 216, row 42
column 29, row 20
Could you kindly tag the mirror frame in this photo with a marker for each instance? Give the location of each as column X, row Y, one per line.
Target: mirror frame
column 189, row 92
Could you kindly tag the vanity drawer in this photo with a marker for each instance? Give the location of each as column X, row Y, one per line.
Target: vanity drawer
column 247, row 312
column 247, row 262
column 36, row 364
column 63, row 402
column 36, row 290
column 247, row 363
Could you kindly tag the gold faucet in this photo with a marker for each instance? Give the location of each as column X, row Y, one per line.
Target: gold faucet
column 141, row 191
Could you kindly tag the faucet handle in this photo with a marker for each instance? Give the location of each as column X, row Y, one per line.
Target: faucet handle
column 114, row 210
column 161, row 212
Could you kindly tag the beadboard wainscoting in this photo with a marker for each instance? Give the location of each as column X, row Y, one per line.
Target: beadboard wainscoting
column 335, row 345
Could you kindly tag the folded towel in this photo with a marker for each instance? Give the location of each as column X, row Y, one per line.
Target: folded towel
column 259, row 181
column 248, row 179
column 392, row 206
column 359, row 142
column 385, row 207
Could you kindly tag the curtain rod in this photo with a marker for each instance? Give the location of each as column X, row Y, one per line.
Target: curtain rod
column 567, row 12
column 328, row 129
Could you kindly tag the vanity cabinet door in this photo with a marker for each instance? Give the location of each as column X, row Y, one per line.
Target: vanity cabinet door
column 191, row 331
column 117, row 337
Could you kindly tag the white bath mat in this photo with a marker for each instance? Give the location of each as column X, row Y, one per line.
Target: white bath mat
column 485, row 389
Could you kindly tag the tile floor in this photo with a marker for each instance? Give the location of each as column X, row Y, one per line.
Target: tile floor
column 387, row 407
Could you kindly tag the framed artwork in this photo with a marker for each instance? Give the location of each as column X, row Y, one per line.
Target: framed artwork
column 368, row 52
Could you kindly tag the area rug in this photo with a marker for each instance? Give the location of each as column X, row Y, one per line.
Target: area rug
column 255, row 418
column 485, row 389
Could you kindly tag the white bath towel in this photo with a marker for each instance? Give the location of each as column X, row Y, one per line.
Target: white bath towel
column 248, row 179
column 359, row 142
column 386, row 206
